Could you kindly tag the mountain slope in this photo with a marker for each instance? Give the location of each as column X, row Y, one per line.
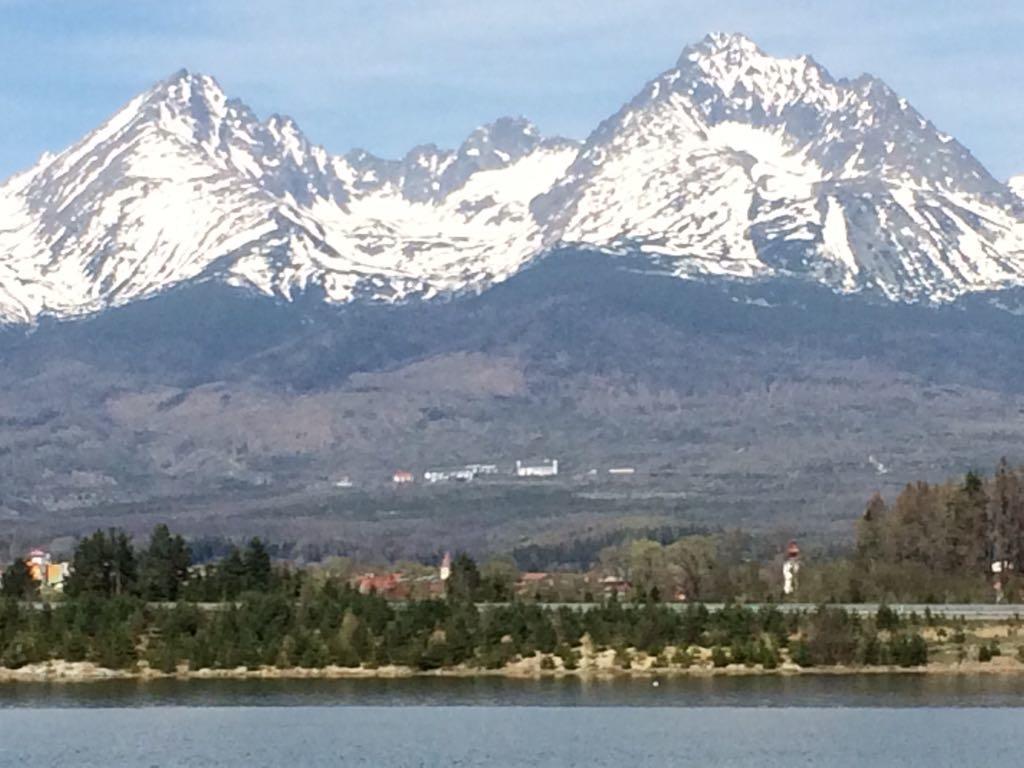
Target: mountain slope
column 731, row 164
column 737, row 402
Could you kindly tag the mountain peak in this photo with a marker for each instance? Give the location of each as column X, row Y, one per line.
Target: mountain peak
column 504, row 140
column 184, row 86
column 508, row 125
column 728, row 49
column 732, row 66
column 188, row 103
column 736, row 42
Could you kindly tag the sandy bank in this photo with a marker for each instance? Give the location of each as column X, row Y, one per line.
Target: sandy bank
column 598, row 666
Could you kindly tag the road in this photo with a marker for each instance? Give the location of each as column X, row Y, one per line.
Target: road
column 970, row 611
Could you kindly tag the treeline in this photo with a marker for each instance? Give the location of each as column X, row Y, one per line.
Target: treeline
column 708, row 567
column 124, row 606
column 960, row 541
column 311, row 625
column 106, row 564
column 954, row 541
column 583, row 553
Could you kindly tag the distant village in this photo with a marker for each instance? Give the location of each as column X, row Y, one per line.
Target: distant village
column 405, row 584
column 543, row 586
column 425, row 582
column 50, row 574
column 542, row 469
column 548, row 586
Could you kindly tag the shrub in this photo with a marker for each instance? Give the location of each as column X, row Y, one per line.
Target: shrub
column 14, row 655
column 801, row 654
column 989, row 651
column 163, row 657
column 870, row 651
column 719, row 658
column 115, row 649
column 909, row 650
column 623, row 658
column 767, row 655
column 887, row 618
column 832, row 636
column 683, row 658
column 739, row 653
column 570, row 658
column 496, row 656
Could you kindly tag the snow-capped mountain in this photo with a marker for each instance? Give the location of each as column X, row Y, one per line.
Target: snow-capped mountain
column 184, row 183
column 732, row 163
column 738, row 163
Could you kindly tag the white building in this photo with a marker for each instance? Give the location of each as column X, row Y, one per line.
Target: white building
column 444, row 475
column 482, row 469
column 546, row 468
column 791, row 568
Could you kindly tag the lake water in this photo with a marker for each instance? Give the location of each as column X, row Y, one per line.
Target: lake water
column 807, row 721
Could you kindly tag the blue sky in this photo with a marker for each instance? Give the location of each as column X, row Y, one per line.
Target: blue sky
column 386, row 75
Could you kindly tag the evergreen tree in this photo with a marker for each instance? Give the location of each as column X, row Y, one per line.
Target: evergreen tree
column 17, row 581
column 230, row 574
column 164, row 566
column 464, row 582
column 103, row 564
column 258, row 571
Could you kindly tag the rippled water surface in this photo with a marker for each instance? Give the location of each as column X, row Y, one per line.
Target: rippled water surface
column 807, row 721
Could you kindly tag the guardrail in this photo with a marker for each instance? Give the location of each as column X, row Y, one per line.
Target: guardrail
column 971, row 611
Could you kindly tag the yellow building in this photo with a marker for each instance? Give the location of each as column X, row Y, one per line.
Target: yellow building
column 55, row 575
column 43, row 570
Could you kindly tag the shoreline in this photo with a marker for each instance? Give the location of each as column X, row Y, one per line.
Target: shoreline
column 87, row 672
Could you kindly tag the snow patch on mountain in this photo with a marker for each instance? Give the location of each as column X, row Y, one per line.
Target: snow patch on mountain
column 1016, row 184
